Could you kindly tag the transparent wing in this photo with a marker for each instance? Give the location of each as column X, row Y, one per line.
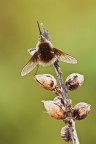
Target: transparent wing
column 61, row 56
column 28, row 68
column 67, row 58
column 32, row 63
column 31, row 51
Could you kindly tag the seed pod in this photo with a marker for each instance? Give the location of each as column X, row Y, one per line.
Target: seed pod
column 81, row 110
column 59, row 99
column 74, row 81
column 65, row 134
column 55, row 109
column 47, row 81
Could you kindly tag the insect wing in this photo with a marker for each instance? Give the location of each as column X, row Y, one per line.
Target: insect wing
column 31, row 51
column 32, row 63
column 61, row 56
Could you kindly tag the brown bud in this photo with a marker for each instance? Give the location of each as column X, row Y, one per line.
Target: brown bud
column 65, row 134
column 47, row 81
column 55, row 109
column 74, row 81
column 81, row 110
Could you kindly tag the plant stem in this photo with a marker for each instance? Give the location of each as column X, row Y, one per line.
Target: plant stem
column 63, row 90
column 73, row 132
column 70, row 122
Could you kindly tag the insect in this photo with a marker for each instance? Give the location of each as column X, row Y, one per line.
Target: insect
column 45, row 54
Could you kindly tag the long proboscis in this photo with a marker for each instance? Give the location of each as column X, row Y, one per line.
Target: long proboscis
column 39, row 27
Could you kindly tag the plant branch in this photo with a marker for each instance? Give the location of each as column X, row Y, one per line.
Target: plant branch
column 73, row 132
column 63, row 90
column 64, row 94
column 68, row 119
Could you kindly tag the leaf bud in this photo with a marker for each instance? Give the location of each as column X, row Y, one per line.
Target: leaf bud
column 74, row 81
column 47, row 81
column 65, row 133
column 54, row 108
column 81, row 110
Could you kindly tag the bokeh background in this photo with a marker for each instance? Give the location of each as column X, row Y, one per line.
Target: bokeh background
column 72, row 28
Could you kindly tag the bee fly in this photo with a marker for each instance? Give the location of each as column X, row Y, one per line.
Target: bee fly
column 45, row 54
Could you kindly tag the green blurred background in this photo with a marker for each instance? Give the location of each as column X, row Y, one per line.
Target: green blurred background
column 72, row 28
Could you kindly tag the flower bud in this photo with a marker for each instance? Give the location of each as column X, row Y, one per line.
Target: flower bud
column 55, row 109
column 47, row 81
column 81, row 110
column 74, row 81
column 58, row 98
column 65, row 134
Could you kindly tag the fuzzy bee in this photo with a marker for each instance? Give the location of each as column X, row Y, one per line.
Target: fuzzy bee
column 45, row 54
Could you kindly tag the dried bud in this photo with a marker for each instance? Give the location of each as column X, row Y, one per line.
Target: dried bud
column 81, row 110
column 47, row 81
column 74, row 81
column 65, row 134
column 55, row 109
column 59, row 99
